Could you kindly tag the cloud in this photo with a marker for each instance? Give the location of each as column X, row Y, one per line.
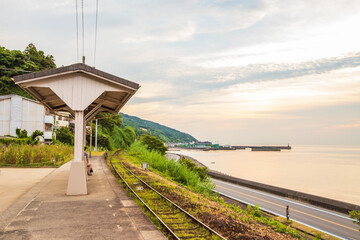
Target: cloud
column 263, row 99
column 213, row 63
column 349, row 125
column 179, row 21
column 150, row 90
column 175, row 34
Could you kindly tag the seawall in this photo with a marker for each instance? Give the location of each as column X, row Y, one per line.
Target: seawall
column 327, row 203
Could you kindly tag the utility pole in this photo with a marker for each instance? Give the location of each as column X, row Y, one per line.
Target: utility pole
column 96, row 135
column 90, row 139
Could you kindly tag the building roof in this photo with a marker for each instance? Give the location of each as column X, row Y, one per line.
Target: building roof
column 2, row 97
column 77, row 67
column 78, row 87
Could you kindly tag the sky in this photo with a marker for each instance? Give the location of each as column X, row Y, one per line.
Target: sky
column 231, row 72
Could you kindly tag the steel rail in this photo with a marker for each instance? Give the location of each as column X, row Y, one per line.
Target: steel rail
column 172, row 203
column 171, row 232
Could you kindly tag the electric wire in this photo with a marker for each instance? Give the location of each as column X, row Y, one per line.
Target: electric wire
column 77, row 33
column 14, row 69
column 83, row 40
column 96, row 23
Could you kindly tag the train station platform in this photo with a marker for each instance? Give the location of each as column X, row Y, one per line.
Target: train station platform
column 106, row 212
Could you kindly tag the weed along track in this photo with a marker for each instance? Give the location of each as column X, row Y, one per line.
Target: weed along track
column 179, row 223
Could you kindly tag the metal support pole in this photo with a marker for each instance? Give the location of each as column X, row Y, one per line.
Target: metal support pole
column 90, row 139
column 96, row 135
column 287, row 213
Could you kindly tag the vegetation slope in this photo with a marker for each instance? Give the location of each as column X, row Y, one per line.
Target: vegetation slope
column 164, row 133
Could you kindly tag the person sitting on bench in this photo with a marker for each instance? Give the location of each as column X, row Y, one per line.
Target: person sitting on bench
column 89, row 165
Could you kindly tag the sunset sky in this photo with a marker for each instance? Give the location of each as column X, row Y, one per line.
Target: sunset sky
column 231, row 72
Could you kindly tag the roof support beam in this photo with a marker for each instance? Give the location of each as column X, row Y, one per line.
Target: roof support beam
column 38, row 97
column 94, row 114
column 65, row 108
column 60, row 107
column 51, row 98
column 110, row 99
column 123, row 102
column 94, row 109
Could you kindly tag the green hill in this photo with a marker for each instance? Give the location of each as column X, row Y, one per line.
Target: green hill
column 166, row 134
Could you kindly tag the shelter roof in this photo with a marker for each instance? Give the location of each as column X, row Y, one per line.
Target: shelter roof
column 78, row 87
column 78, row 67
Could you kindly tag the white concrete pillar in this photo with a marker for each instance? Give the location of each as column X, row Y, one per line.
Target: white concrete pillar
column 79, row 136
column 77, row 178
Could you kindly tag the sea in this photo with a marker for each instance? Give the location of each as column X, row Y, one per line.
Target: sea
column 327, row 171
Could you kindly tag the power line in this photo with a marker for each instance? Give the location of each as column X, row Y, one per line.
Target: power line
column 83, row 40
column 77, row 32
column 12, row 69
column 96, row 23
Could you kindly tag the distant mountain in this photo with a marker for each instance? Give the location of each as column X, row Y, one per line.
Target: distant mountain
column 166, row 134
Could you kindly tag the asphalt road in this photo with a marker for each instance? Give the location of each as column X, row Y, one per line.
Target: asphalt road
column 330, row 222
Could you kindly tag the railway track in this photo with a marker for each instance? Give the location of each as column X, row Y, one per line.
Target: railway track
column 179, row 223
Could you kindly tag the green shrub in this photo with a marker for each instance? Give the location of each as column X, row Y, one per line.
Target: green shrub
column 153, row 143
column 64, row 135
column 356, row 216
column 21, row 133
column 255, row 211
column 8, row 141
column 202, row 171
column 174, row 170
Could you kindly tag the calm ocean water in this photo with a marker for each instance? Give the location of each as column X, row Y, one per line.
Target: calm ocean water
column 328, row 171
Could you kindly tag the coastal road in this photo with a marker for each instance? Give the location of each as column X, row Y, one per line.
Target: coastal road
column 330, row 222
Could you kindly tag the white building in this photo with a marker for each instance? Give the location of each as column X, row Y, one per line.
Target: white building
column 20, row 112
column 62, row 120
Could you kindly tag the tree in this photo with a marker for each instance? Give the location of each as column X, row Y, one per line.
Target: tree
column 108, row 123
column 36, row 60
column 121, row 138
column 129, row 135
column 356, row 216
column 13, row 62
column 103, row 141
column 64, row 135
column 153, row 143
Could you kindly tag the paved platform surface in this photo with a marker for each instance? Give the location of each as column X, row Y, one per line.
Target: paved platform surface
column 107, row 212
column 14, row 182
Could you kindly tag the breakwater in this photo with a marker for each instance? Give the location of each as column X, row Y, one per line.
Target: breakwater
column 264, row 148
column 327, row 203
column 253, row 148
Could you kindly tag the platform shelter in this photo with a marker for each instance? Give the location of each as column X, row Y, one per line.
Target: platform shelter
column 83, row 91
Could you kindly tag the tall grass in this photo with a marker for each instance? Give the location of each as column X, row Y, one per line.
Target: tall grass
column 35, row 156
column 174, row 170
